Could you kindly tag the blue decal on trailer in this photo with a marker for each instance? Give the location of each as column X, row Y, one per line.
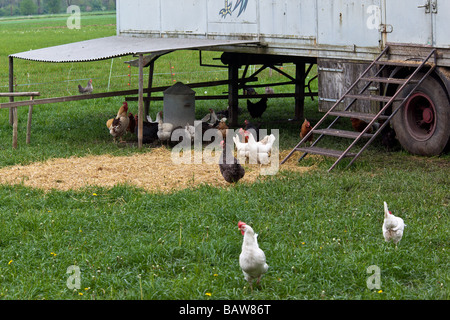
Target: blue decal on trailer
column 228, row 5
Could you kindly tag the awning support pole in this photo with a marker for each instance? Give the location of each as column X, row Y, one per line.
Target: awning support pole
column 141, row 101
column 11, row 89
column 150, row 85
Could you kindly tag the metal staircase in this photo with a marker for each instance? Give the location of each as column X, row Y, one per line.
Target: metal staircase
column 377, row 66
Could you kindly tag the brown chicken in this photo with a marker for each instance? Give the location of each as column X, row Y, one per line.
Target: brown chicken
column 359, row 125
column 306, row 127
column 132, row 124
column 120, row 123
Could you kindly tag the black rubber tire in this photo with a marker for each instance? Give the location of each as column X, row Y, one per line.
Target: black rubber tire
column 411, row 136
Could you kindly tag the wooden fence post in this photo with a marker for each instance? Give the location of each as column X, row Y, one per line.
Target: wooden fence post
column 30, row 113
column 15, row 121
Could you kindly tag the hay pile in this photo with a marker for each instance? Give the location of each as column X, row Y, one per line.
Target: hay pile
column 153, row 171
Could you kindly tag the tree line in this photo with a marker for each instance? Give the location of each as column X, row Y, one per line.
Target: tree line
column 36, row 7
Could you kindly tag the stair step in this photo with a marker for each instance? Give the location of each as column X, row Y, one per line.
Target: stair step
column 358, row 115
column 399, row 63
column 324, row 152
column 342, row 133
column 368, row 97
column 384, row 80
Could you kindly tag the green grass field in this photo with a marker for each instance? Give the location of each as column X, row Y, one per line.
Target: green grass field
column 320, row 231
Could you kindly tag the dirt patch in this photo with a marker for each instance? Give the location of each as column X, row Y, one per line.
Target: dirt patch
column 153, row 171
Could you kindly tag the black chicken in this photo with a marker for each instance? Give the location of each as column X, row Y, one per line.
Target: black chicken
column 250, row 127
column 229, row 166
column 388, row 138
column 88, row 89
column 149, row 131
column 257, row 109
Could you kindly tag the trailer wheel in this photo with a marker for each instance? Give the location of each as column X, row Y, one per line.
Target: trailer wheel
column 422, row 125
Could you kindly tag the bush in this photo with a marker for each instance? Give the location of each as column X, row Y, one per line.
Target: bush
column 27, row 7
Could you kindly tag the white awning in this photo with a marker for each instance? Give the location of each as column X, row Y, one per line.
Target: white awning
column 117, row 46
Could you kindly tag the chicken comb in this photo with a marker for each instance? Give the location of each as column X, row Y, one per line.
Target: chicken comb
column 240, row 224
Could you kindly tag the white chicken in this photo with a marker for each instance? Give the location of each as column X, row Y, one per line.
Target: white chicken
column 158, row 117
column 241, row 147
column 164, row 129
column 211, row 118
column 260, row 149
column 189, row 131
column 392, row 226
column 252, row 259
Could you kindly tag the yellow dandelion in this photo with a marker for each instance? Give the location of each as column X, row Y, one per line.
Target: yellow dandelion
column 94, row 194
column 381, row 291
column 208, row 294
column 303, row 243
column 215, row 275
column 53, row 254
column 80, row 293
column 10, row 261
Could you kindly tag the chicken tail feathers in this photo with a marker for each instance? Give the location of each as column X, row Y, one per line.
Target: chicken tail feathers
column 386, row 210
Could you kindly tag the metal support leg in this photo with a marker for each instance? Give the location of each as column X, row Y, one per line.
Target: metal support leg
column 299, row 90
column 233, row 101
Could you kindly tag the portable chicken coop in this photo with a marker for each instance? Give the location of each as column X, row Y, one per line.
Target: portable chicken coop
column 377, row 60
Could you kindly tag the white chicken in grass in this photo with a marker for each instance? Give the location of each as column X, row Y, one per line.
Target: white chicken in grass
column 252, row 259
column 392, row 226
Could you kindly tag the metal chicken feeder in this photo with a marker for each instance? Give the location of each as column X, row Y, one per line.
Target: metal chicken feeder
column 179, row 105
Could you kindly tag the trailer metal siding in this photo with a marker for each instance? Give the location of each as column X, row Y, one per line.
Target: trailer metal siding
column 335, row 29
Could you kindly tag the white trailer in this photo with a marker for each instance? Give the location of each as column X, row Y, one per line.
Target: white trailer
column 342, row 37
column 377, row 60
